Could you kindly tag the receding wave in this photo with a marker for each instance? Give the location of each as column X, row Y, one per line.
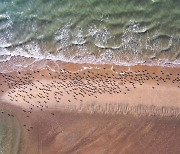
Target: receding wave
column 91, row 32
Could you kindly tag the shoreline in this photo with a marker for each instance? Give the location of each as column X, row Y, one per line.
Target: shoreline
column 32, row 63
column 112, row 89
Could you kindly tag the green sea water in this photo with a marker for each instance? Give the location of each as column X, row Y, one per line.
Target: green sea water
column 11, row 135
column 94, row 31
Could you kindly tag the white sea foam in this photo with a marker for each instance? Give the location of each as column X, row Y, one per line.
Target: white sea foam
column 108, row 57
column 78, row 38
column 131, row 44
column 100, row 36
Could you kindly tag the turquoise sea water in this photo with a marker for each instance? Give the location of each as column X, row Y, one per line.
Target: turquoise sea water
column 94, row 31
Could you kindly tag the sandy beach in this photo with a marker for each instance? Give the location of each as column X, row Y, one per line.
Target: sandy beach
column 86, row 108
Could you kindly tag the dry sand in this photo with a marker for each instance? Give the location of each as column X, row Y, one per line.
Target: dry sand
column 83, row 108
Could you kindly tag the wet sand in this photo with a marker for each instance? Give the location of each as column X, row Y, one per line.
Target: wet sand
column 72, row 132
column 83, row 108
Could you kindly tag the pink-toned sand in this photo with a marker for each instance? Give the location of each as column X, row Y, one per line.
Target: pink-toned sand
column 83, row 108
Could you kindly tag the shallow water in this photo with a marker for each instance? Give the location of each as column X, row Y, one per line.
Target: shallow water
column 10, row 134
column 108, row 31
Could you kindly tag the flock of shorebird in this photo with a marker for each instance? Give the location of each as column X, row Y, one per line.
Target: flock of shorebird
column 70, row 86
